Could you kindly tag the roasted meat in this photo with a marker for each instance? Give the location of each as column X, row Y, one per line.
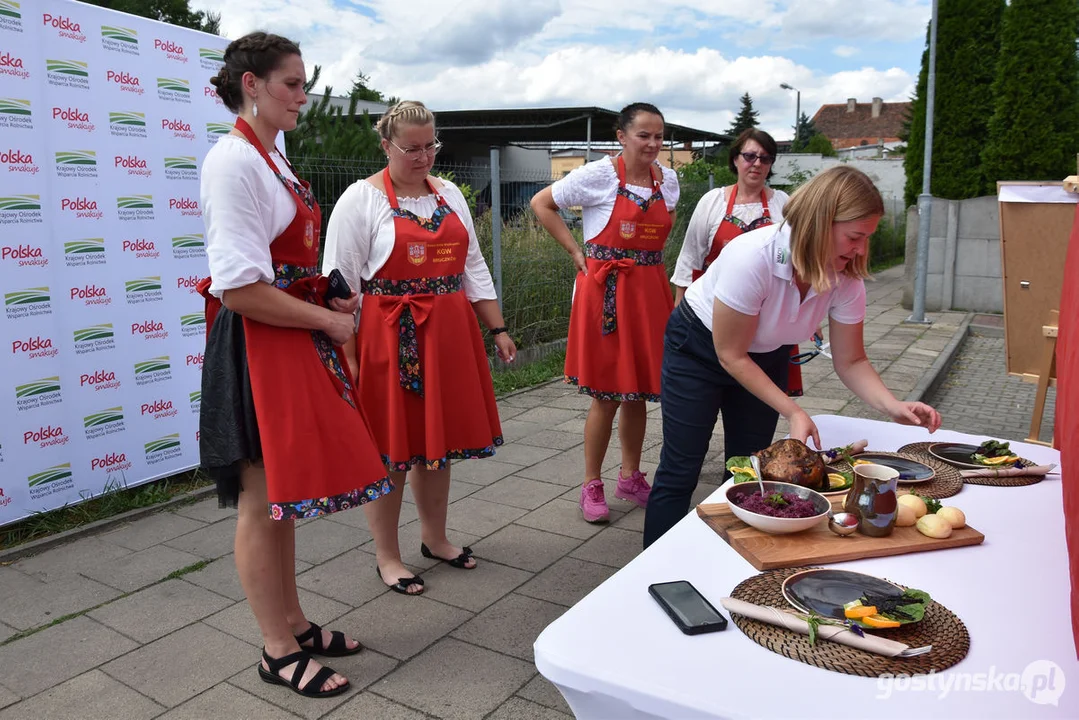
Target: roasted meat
column 792, row 461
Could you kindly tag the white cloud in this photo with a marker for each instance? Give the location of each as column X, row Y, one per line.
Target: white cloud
column 881, row 20
column 845, row 51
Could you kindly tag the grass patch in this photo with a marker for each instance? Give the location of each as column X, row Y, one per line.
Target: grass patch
column 544, row 369
column 113, row 500
column 193, row 567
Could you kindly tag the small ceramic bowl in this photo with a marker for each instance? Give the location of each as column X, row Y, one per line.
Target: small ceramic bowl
column 774, row 525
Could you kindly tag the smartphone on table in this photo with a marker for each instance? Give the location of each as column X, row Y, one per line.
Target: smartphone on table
column 687, row 607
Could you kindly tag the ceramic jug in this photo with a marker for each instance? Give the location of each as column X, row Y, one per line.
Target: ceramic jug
column 872, row 499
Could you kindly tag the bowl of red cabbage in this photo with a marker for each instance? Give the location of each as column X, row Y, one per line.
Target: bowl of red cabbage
column 783, row 507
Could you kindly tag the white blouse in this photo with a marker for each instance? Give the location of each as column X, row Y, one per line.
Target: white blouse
column 594, row 187
column 754, row 275
column 360, row 235
column 707, row 216
column 245, row 207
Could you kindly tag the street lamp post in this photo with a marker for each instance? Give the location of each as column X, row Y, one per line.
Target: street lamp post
column 797, row 111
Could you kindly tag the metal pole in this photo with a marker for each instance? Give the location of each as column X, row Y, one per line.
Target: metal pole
column 711, row 181
column 797, row 113
column 496, row 221
column 925, row 199
column 588, row 141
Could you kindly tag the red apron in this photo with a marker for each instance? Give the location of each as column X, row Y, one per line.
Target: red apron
column 1066, row 427
column 730, row 228
column 621, row 307
column 317, row 445
column 423, row 367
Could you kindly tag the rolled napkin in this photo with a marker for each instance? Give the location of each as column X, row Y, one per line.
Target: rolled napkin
column 835, row 633
column 1009, row 472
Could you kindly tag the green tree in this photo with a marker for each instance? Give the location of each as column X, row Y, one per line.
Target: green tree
column 328, row 131
column 746, row 118
column 1034, row 128
column 174, row 12
column 968, row 44
column 806, row 129
column 818, row 143
column 362, row 89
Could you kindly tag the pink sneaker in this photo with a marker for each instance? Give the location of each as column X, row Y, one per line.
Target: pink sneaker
column 633, row 488
column 593, row 504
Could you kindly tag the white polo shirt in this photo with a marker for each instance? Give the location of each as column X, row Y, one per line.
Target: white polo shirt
column 754, row 276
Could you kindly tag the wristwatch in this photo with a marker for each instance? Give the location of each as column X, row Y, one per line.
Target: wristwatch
column 497, row 330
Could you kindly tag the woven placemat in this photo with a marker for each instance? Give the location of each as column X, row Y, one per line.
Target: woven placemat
column 946, row 482
column 920, row 452
column 940, row 628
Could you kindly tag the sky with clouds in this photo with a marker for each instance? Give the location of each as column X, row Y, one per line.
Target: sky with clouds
column 692, row 58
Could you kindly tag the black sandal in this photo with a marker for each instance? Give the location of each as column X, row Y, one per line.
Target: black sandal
column 338, row 646
column 458, row 562
column 403, row 583
column 313, row 688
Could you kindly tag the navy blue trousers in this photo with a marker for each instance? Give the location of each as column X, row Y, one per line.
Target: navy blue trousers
column 695, row 391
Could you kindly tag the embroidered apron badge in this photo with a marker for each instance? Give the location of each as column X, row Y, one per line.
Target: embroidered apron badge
column 417, row 253
column 627, row 229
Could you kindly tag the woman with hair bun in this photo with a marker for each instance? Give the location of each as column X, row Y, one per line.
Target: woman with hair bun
column 405, row 238
column 280, row 430
column 621, row 297
column 726, row 348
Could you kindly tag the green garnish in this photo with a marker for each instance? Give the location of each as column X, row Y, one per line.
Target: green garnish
column 776, row 500
column 906, row 608
column 740, row 463
column 931, row 504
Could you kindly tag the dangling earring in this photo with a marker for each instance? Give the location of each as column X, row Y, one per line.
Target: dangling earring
column 254, row 109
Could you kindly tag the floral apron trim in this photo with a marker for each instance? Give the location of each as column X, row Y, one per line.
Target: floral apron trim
column 615, row 260
column 443, row 462
column 640, row 201
column 616, row 396
column 431, row 224
column 326, row 505
column 284, row 276
column 408, row 313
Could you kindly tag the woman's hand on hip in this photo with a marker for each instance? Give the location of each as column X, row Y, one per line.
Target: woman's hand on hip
column 580, row 262
column 346, row 305
column 802, row 428
column 915, row 413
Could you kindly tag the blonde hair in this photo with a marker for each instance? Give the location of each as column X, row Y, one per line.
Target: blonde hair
column 839, row 194
column 406, row 112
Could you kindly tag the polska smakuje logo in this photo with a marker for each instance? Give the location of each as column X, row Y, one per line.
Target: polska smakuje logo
column 124, row 81
column 174, row 89
column 12, row 65
column 76, row 163
column 143, row 290
column 193, row 324
column 181, row 167
column 153, row 370
column 30, row 302
column 185, row 247
column 70, row 74
column 17, row 161
column 164, row 448
column 88, row 251
column 20, row 209
column 172, row 51
column 74, row 118
column 81, row 207
column 149, row 329
column 64, row 26
column 141, row 248
column 91, row 295
column 94, row 339
column 106, row 422
column 16, row 114
column 45, row 436
column 178, row 127
column 119, row 39
column 24, row 255
column 57, row 478
column 132, row 165
column 135, row 207
column 10, row 15
column 190, row 283
column 38, row 393
column 34, row 347
column 100, row 379
column 127, row 124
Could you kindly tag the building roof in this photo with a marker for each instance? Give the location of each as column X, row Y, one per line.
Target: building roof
column 522, row 126
column 362, row 106
column 853, row 123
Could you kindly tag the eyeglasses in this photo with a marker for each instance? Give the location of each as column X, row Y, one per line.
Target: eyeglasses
column 821, row 349
column 754, row 157
column 430, row 149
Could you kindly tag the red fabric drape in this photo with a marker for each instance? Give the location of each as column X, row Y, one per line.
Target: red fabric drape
column 1066, row 429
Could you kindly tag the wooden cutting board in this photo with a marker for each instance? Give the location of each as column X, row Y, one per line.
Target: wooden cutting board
column 819, row 545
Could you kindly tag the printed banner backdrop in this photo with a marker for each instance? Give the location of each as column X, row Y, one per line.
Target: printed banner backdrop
column 104, row 119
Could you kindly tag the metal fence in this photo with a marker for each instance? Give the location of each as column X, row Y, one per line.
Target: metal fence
column 534, row 274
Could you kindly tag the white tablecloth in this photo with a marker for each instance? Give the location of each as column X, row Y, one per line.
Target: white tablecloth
column 616, row 655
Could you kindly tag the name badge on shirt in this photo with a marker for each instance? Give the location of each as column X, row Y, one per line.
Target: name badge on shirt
column 309, row 234
column 627, row 229
column 417, row 253
column 781, row 256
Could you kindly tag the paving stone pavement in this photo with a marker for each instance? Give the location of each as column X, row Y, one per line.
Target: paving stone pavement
column 130, row 642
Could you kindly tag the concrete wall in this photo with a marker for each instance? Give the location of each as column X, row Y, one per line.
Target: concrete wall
column 887, row 173
column 964, row 256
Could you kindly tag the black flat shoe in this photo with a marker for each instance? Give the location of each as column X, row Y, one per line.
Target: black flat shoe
column 458, row 562
column 338, row 646
column 403, row 583
column 313, row 688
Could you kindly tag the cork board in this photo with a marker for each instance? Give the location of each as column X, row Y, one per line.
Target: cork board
column 1034, row 243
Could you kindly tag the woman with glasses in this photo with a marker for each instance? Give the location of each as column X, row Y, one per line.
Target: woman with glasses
column 280, row 428
column 725, row 213
column 621, row 297
column 405, row 238
column 726, row 348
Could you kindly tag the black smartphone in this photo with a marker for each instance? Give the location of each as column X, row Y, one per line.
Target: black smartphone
column 338, row 287
column 690, row 611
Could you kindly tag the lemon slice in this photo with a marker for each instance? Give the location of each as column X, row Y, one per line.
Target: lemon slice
column 835, row 480
column 862, row 462
column 1000, row 460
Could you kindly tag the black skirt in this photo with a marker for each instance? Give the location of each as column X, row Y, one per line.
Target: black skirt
column 228, row 429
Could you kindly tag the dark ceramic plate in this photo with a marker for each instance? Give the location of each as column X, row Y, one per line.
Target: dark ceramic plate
column 959, row 454
column 910, row 471
column 825, row 592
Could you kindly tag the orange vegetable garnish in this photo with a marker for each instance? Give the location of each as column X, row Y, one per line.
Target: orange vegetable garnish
column 879, row 621
column 860, row 611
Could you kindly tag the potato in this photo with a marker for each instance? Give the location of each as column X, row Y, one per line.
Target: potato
column 934, row 526
column 906, row 516
column 915, row 503
column 954, row 516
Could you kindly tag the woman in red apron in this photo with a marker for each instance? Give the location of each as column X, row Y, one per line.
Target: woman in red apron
column 622, row 299
column 423, row 368
column 725, row 213
column 280, row 427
